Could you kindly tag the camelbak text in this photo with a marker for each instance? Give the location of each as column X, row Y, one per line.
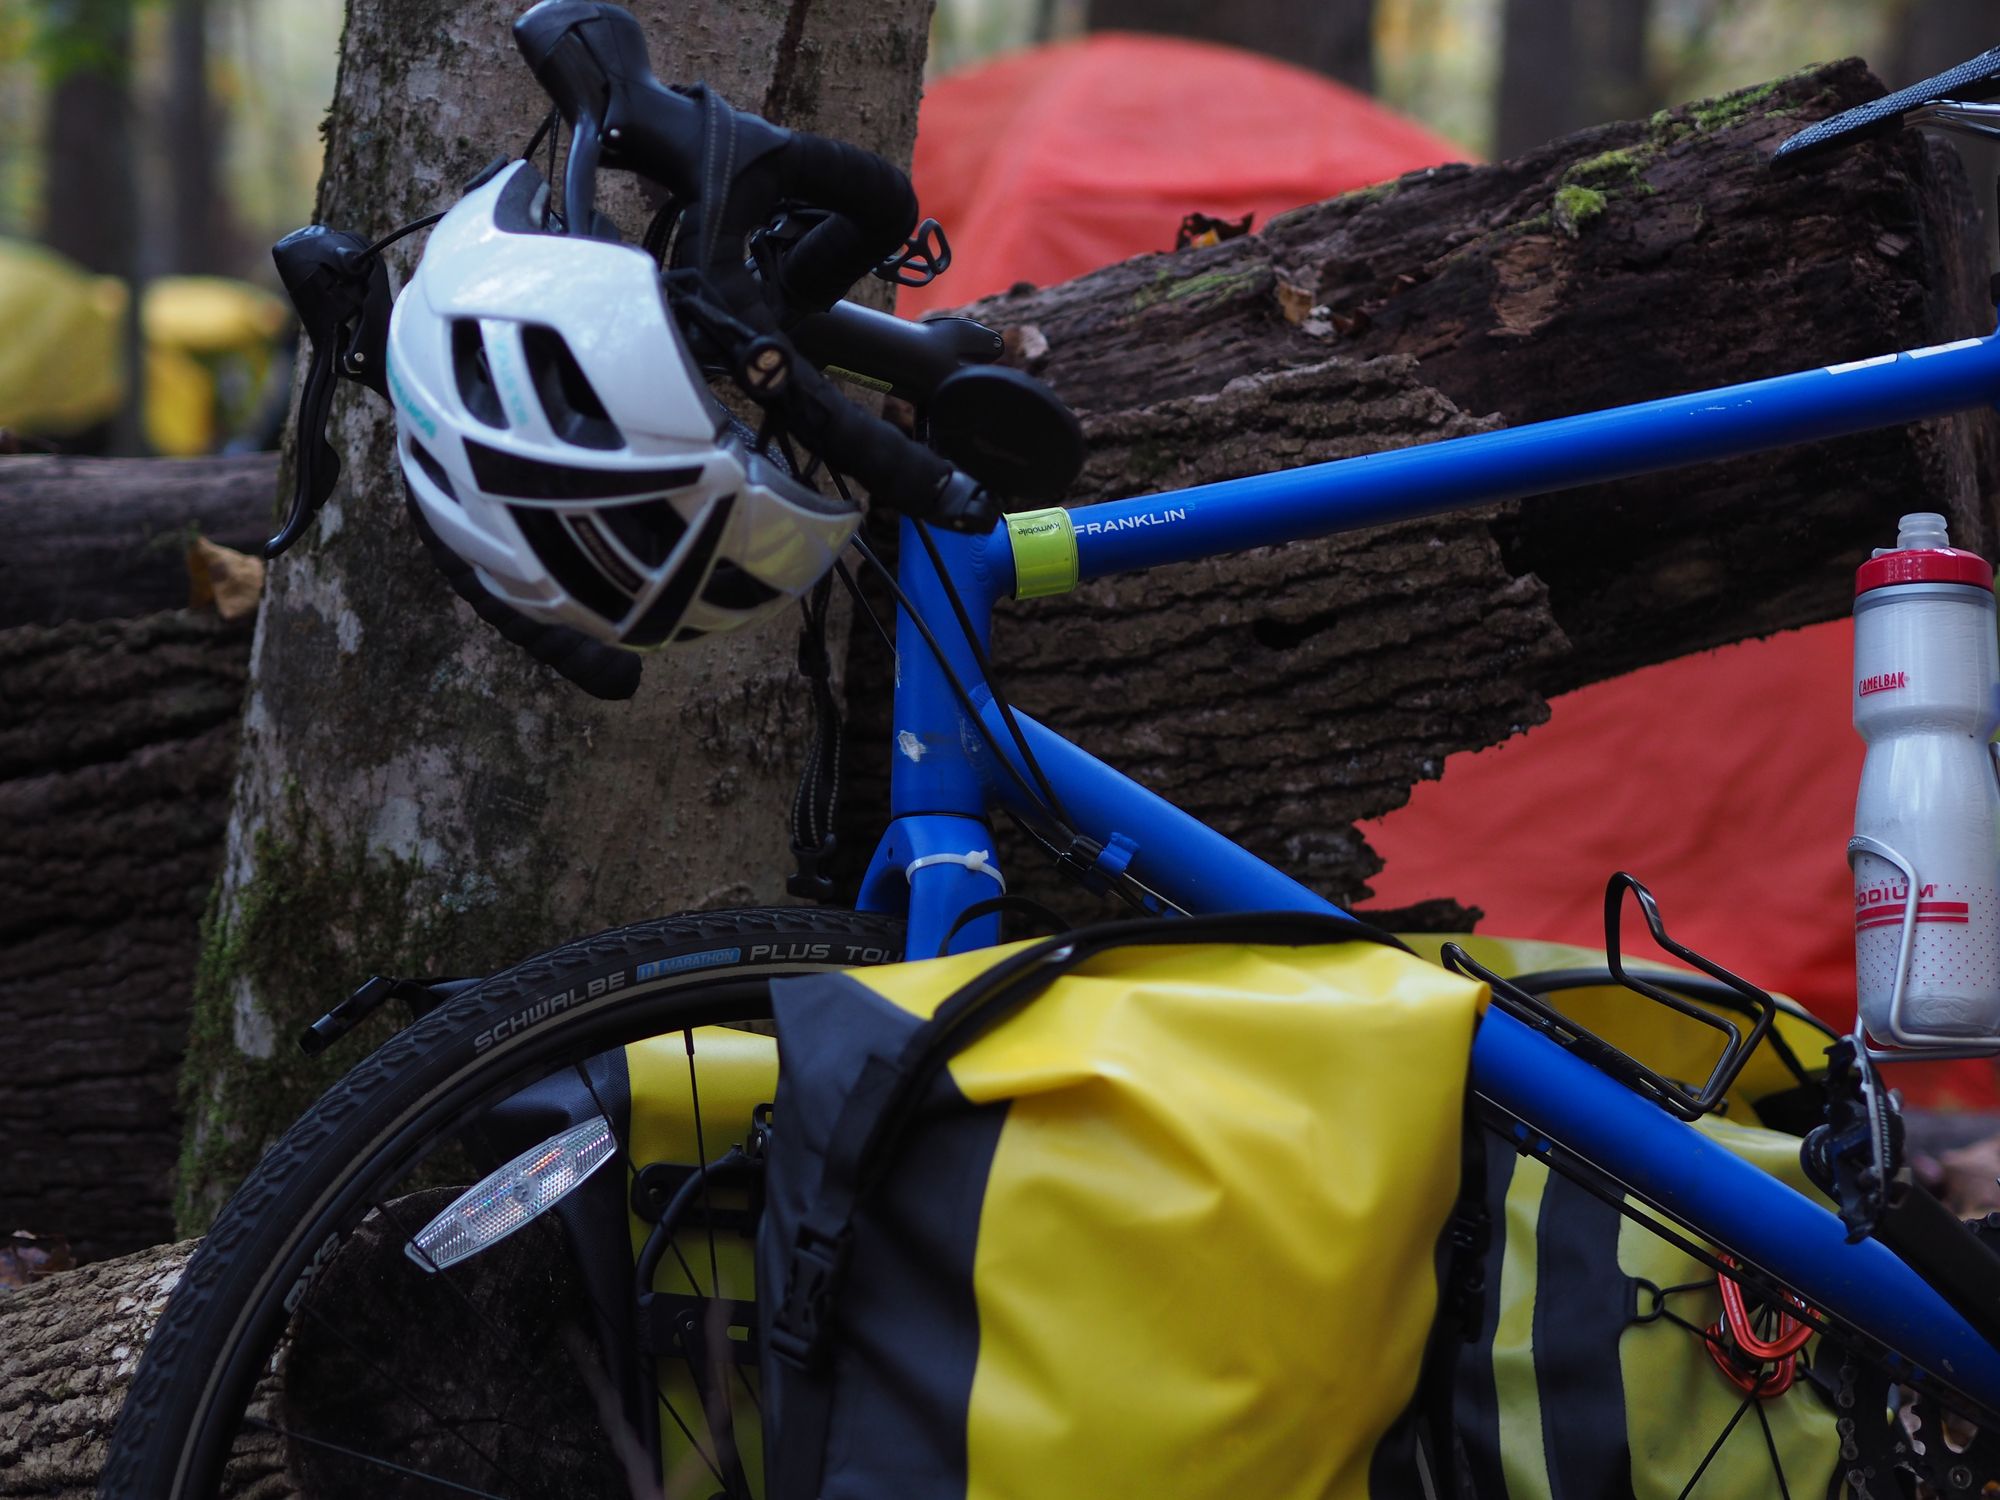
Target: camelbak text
column 1883, row 682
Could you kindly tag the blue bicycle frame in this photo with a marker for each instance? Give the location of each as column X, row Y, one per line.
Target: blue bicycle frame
column 945, row 780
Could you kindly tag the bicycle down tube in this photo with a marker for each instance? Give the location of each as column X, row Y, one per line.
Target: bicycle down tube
column 943, row 781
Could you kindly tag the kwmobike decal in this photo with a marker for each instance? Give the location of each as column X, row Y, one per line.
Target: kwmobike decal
column 313, row 1267
column 683, row 963
column 549, row 1005
column 1133, row 523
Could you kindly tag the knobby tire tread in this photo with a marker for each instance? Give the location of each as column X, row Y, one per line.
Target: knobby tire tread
column 227, row 1271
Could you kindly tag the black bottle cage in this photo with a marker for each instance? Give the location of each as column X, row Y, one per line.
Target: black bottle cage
column 339, row 286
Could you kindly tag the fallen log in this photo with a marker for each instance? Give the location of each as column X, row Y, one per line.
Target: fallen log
column 106, row 538
column 70, row 1345
column 1626, row 262
column 117, row 746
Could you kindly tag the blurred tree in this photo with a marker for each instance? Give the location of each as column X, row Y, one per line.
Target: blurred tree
column 198, row 236
column 90, row 195
column 89, row 207
column 1928, row 36
column 414, row 795
column 1565, row 64
column 1334, row 37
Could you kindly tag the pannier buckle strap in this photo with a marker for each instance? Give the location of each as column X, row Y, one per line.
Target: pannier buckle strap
column 812, row 1278
column 979, row 861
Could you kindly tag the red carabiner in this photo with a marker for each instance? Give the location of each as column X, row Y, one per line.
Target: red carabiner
column 1780, row 1351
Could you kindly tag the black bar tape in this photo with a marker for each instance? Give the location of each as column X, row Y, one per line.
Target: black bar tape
column 897, row 471
column 872, row 207
column 601, row 670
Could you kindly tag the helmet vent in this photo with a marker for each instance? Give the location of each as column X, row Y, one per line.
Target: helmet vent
column 659, row 621
column 433, row 470
column 475, row 375
column 574, row 412
column 730, row 587
column 559, row 553
column 501, row 473
column 650, row 531
column 604, row 554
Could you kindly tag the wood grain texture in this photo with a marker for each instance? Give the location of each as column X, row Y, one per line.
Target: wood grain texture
column 1282, row 695
column 105, row 538
column 117, row 745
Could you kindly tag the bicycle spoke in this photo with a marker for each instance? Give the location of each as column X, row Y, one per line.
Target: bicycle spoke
column 625, row 1443
column 1716, row 1447
column 367, row 1458
column 701, row 1164
column 688, row 1433
column 1771, row 1444
column 403, row 1389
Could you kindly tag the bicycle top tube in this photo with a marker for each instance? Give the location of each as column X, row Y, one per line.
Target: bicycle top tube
column 1261, row 510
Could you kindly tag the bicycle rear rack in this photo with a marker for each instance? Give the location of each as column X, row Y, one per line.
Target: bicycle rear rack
column 1679, row 1098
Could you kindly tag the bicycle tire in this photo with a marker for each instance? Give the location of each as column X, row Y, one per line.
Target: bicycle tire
column 227, row 1317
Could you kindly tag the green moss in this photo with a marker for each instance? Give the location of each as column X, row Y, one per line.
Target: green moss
column 1576, row 207
column 1374, row 193
column 317, row 917
column 1729, row 109
column 1167, row 287
column 1609, row 169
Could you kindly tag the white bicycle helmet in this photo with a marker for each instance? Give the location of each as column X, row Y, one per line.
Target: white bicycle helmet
column 556, row 434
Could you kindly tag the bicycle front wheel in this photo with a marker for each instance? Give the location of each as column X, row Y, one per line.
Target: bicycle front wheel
column 301, row 1354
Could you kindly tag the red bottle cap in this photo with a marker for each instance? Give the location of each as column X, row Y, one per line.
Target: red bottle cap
column 1926, row 565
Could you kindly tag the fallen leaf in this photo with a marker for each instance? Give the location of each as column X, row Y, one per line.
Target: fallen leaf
column 26, row 1258
column 229, row 580
column 1026, row 345
column 1295, row 302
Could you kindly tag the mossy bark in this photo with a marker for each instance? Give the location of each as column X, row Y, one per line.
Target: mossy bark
column 414, row 795
column 1284, row 696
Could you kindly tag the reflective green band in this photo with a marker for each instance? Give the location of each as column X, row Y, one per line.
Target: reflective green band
column 1044, row 552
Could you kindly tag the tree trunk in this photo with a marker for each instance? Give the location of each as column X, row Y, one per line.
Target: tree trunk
column 1568, row 64
column 90, row 203
column 1931, row 36
column 1334, row 37
column 415, row 795
column 117, row 744
column 1629, row 262
column 106, row 538
column 199, row 240
column 72, row 1343
column 90, row 208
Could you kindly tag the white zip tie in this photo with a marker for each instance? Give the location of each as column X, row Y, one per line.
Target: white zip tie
column 979, row 861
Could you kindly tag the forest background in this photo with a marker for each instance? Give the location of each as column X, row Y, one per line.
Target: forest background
column 145, row 138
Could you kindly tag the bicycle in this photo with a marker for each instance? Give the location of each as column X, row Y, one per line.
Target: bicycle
column 487, row 1067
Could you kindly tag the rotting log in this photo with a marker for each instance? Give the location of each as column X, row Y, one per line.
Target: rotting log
column 1624, row 263
column 106, row 538
column 117, row 745
column 68, row 1346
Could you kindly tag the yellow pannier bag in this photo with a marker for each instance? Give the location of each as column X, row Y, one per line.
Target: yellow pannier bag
column 1145, row 1210
column 1588, row 1374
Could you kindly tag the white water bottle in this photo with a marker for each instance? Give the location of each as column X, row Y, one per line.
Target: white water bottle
column 1927, row 700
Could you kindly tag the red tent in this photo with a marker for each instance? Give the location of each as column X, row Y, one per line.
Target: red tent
column 1056, row 160
column 1725, row 781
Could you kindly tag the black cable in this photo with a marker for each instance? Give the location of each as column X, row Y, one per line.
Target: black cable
column 396, row 234
column 548, row 122
column 986, row 671
column 909, row 608
column 861, row 604
column 1135, row 893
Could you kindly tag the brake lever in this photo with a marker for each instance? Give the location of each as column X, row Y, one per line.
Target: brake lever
column 340, row 288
